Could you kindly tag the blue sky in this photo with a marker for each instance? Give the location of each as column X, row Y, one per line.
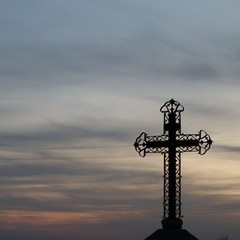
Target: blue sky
column 80, row 80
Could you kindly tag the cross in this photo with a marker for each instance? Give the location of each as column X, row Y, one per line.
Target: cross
column 171, row 144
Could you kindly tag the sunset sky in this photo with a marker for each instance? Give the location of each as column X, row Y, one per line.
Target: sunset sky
column 80, row 80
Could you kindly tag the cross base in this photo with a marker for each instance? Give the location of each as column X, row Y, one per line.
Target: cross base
column 172, row 223
column 171, row 234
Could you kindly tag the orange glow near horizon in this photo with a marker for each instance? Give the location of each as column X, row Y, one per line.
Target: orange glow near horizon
column 15, row 218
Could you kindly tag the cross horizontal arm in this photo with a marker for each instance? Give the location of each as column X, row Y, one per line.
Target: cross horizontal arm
column 177, row 143
column 200, row 143
column 141, row 144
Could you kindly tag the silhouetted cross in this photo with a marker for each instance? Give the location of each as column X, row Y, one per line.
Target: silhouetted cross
column 172, row 143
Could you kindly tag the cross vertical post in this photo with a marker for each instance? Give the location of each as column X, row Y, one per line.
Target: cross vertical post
column 171, row 144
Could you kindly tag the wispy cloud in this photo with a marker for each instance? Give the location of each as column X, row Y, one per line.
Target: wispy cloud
column 81, row 75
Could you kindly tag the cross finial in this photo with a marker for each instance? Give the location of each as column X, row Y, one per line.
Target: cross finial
column 172, row 143
column 172, row 106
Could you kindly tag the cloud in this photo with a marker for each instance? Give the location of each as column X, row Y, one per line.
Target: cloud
column 135, row 58
column 199, row 71
column 151, row 52
column 56, row 135
column 228, row 148
column 87, row 74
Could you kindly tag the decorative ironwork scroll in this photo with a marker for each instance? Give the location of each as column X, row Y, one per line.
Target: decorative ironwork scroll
column 171, row 144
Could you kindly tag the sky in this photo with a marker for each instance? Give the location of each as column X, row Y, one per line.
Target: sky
column 80, row 80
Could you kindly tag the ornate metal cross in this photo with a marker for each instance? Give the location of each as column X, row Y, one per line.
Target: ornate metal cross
column 172, row 143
